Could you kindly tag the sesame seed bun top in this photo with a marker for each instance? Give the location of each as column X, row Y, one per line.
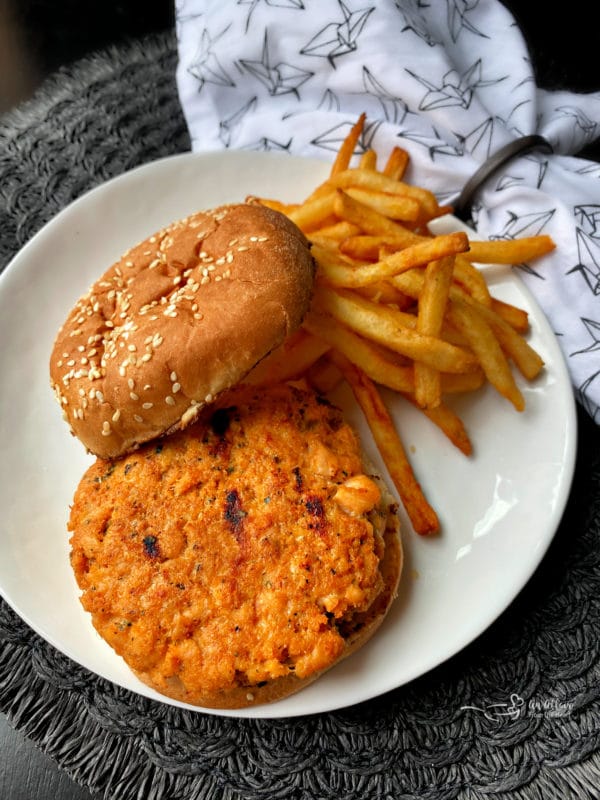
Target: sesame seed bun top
column 178, row 319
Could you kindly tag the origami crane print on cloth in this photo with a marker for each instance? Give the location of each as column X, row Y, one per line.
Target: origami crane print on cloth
column 452, row 83
column 338, row 38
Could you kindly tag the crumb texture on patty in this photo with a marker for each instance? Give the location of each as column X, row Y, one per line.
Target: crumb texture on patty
column 236, row 553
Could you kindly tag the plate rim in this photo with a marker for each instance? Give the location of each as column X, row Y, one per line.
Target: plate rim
column 570, row 422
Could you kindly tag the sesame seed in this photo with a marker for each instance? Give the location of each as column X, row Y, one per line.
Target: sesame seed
column 169, row 400
column 134, row 396
column 137, row 418
column 99, row 397
column 175, row 388
column 117, row 415
column 147, row 406
column 131, row 383
column 173, row 376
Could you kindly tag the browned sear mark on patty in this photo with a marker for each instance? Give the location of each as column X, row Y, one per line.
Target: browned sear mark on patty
column 234, row 514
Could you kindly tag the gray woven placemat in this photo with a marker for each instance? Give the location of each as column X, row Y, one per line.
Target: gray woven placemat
column 515, row 715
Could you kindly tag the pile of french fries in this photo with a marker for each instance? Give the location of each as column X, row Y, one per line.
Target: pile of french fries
column 396, row 306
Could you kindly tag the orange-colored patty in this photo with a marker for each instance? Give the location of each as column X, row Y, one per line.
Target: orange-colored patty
column 234, row 552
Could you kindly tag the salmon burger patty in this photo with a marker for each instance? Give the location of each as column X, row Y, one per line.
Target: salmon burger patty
column 232, row 563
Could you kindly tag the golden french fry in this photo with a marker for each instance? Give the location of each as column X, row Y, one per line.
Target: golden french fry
column 397, row 307
column 368, row 179
column 368, row 246
column 527, row 360
column 336, row 232
column 393, row 206
column 397, row 163
column 487, row 349
column 462, row 382
column 430, row 320
column 346, row 151
column 323, row 375
column 291, row 359
column 368, row 160
column 471, row 279
column 385, row 434
column 369, row 220
column 313, row 213
column 448, row 422
column 511, row 251
column 384, row 292
column 361, row 352
column 516, row 317
column 415, row 255
column 385, row 326
column 276, row 205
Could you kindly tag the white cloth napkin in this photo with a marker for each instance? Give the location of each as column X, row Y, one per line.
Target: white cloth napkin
column 451, row 82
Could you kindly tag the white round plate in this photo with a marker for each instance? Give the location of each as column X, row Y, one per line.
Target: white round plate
column 499, row 508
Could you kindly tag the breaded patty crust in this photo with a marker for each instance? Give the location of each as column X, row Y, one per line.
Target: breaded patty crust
column 231, row 563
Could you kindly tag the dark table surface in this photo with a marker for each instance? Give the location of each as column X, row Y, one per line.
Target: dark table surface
column 38, row 37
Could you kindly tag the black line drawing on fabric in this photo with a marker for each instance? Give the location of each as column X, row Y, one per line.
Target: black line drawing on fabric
column 206, row 67
column 457, row 18
column 415, row 20
column 479, row 141
column 588, row 218
column 329, row 102
column 454, row 89
column 332, row 138
column 182, row 14
column 432, row 142
column 394, row 108
column 588, row 168
column 580, row 120
column 297, row 5
column 513, row 180
column 593, row 328
column 227, row 126
column 265, row 144
column 525, row 225
column 588, row 265
column 280, row 78
column 584, row 393
column 338, row 38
